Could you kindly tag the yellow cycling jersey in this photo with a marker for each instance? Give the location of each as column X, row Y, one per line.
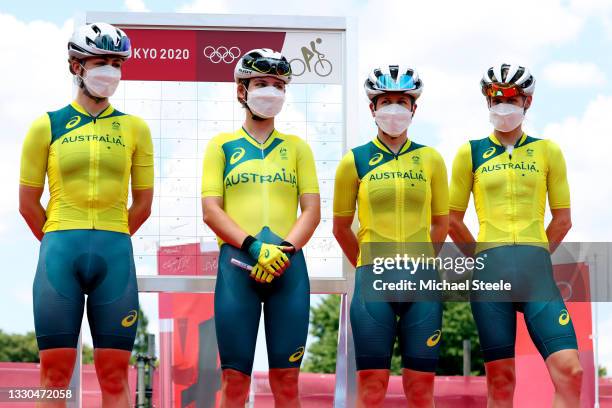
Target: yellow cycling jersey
column 88, row 161
column 510, row 188
column 260, row 183
column 396, row 194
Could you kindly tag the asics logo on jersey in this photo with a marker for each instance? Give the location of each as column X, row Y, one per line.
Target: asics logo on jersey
column 297, row 355
column 130, row 319
column 489, row 152
column 434, row 338
column 267, row 253
column 237, row 155
column 375, row 159
column 564, row 317
column 73, row 122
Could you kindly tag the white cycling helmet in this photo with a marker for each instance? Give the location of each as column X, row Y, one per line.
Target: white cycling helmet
column 262, row 62
column 393, row 78
column 507, row 80
column 99, row 40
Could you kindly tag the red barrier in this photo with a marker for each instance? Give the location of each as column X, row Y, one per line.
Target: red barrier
column 316, row 390
column 533, row 385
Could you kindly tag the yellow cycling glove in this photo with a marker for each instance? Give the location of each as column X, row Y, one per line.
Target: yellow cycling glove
column 260, row 275
column 271, row 257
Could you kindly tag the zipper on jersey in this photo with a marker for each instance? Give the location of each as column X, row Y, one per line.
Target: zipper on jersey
column 395, row 155
column 262, row 168
column 92, row 178
column 399, row 191
column 265, row 187
column 94, row 168
column 512, row 177
column 399, row 186
column 96, row 175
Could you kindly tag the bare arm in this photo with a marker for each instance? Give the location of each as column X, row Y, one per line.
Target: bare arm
column 304, row 227
column 439, row 230
column 558, row 198
column 559, row 226
column 221, row 223
column 346, row 237
column 31, row 209
column 460, row 234
column 140, row 210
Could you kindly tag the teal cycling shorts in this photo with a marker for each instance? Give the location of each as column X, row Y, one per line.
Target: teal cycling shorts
column 75, row 263
column 376, row 324
column 239, row 301
column 546, row 316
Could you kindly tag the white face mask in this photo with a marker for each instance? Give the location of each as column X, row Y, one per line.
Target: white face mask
column 506, row 116
column 393, row 119
column 102, row 81
column 266, row 102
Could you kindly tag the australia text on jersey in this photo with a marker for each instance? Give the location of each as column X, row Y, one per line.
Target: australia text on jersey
column 250, row 177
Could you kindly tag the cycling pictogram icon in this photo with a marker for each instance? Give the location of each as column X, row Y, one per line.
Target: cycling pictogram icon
column 322, row 67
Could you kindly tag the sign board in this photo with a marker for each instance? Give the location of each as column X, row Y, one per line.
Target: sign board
column 180, row 81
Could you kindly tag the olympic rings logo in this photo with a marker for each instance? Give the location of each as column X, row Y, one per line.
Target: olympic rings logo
column 222, row 54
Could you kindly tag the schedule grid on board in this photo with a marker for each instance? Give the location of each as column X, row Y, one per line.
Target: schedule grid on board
column 184, row 116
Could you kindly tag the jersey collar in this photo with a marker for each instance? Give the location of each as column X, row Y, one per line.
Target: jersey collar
column 519, row 142
column 382, row 146
column 242, row 132
column 109, row 109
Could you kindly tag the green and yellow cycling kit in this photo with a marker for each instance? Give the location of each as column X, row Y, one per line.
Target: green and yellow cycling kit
column 260, row 183
column 396, row 194
column 89, row 162
column 510, row 189
column 86, row 249
column 510, row 186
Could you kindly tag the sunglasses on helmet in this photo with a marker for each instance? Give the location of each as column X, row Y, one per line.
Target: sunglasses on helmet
column 267, row 65
column 105, row 42
column 507, row 91
column 403, row 82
